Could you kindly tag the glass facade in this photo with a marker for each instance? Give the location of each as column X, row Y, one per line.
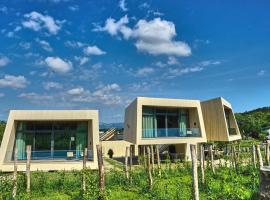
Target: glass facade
column 167, row 122
column 51, row 140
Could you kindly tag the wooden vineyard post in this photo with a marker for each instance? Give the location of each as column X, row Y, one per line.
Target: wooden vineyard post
column 130, row 161
column 212, row 158
column 158, row 161
column 144, row 157
column 267, row 154
column 14, row 192
column 150, row 178
column 152, row 159
column 235, row 158
column 130, row 157
column 85, row 153
column 101, row 171
column 194, row 171
column 28, row 174
column 254, row 155
column 126, row 163
column 259, row 155
column 202, row 163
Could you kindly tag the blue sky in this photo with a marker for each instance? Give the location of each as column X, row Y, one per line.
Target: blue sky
column 67, row 54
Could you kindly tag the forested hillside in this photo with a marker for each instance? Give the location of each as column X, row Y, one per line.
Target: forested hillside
column 2, row 129
column 253, row 123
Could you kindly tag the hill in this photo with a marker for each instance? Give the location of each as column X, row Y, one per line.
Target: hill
column 253, row 123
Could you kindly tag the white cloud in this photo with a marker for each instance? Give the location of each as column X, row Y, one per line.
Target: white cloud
column 261, row 73
column 13, row 81
column 4, row 61
column 172, row 61
column 52, row 85
column 81, row 60
column 74, row 44
column 206, row 63
column 93, row 50
column 39, row 99
column 145, row 71
column 58, row 65
column 76, row 91
column 36, row 21
column 104, row 95
column 25, row 45
column 2, row 95
column 144, row 5
column 155, row 37
column 113, row 27
column 44, row 45
column 122, row 4
column 182, row 71
column 139, row 87
column 73, row 8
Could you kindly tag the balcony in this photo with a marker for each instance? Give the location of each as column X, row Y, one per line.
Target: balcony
column 232, row 131
column 170, row 132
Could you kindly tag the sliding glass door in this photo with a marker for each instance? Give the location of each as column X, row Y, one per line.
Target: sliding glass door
column 164, row 122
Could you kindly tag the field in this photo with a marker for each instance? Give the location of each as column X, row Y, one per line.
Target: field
column 174, row 183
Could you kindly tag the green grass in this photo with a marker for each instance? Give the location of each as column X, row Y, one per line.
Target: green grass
column 175, row 183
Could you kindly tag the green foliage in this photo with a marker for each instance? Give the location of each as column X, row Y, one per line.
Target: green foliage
column 253, row 122
column 2, row 129
column 175, row 183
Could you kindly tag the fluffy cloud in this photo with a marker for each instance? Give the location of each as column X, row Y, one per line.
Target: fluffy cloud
column 73, row 8
column 74, row 44
column 93, row 50
column 122, row 4
column 58, row 65
column 36, row 21
column 113, row 27
column 155, row 37
column 145, row 71
column 40, row 99
column 4, row 61
column 13, row 81
column 76, row 91
column 35, row 97
column 25, row 45
column 2, row 95
column 44, row 45
column 81, row 60
column 104, row 94
column 52, row 85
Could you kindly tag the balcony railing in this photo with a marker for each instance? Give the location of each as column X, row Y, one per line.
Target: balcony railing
column 170, row 132
column 232, row 131
column 53, row 155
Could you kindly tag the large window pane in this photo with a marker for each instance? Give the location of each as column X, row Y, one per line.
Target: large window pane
column 161, row 125
column 172, row 125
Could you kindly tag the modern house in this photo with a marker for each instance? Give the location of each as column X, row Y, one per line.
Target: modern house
column 57, row 138
column 219, row 120
column 160, row 121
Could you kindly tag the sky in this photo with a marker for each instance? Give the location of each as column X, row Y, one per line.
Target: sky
column 67, row 54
